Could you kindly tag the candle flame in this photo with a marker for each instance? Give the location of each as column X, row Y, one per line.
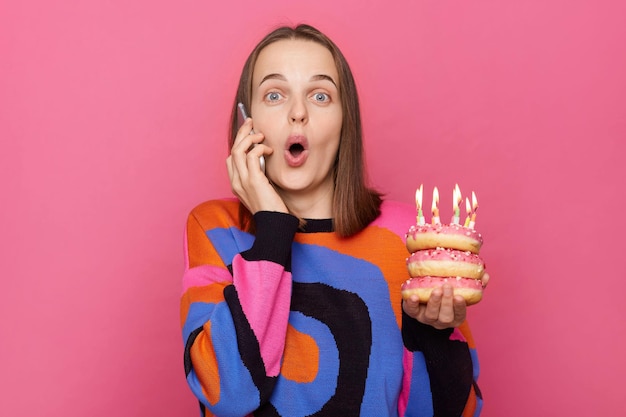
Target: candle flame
column 468, row 209
column 435, row 218
column 474, row 208
column 418, row 196
column 456, row 197
column 435, row 198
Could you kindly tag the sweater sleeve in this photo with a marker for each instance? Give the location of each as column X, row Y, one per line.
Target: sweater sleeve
column 442, row 370
column 234, row 309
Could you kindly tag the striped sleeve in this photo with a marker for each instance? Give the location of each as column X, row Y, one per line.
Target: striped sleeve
column 235, row 306
column 442, row 370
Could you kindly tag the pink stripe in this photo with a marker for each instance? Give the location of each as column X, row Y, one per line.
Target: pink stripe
column 457, row 335
column 203, row 275
column 264, row 290
column 403, row 400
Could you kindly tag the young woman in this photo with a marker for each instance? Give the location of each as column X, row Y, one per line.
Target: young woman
column 291, row 303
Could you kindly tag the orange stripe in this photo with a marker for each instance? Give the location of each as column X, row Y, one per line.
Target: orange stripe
column 213, row 293
column 470, row 406
column 301, row 357
column 465, row 330
column 205, row 364
column 207, row 216
column 200, row 251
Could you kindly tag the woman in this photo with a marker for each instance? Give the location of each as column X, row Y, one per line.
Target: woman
column 292, row 302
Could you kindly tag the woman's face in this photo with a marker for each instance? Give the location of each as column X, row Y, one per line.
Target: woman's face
column 296, row 105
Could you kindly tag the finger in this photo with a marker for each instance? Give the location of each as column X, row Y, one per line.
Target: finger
column 411, row 305
column 238, row 156
column 241, row 149
column 233, row 174
column 242, row 144
column 485, row 280
column 229, row 166
column 460, row 310
column 446, row 311
column 244, row 130
column 243, row 137
column 431, row 312
column 254, row 157
column 246, row 138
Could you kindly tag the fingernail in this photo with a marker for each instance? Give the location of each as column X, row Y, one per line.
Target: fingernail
column 447, row 290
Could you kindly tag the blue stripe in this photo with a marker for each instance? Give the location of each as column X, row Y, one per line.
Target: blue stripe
column 238, row 394
column 197, row 315
column 229, row 242
column 475, row 363
column 479, row 407
column 420, row 397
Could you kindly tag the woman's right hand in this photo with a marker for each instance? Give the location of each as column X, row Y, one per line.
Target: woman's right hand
column 247, row 180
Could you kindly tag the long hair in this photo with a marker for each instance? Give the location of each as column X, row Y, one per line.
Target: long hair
column 355, row 205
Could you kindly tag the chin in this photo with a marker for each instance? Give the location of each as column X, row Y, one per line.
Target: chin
column 299, row 182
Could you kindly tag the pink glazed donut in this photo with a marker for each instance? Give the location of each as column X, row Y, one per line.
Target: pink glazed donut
column 470, row 289
column 442, row 262
column 444, row 253
column 451, row 236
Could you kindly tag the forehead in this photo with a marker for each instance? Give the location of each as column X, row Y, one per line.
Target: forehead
column 295, row 57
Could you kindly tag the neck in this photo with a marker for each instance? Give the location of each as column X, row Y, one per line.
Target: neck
column 310, row 205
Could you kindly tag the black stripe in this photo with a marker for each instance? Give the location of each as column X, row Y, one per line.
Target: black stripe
column 317, row 226
column 347, row 318
column 187, row 355
column 477, row 390
column 249, row 345
column 448, row 362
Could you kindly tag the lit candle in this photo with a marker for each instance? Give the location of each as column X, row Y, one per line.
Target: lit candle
column 456, row 200
column 435, row 219
column 474, row 208
column 468, row 209
column 418, row 202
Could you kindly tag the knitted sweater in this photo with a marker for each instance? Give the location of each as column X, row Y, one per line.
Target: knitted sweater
column 300, row 322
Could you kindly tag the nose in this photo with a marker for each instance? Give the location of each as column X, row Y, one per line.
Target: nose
column 298, row 112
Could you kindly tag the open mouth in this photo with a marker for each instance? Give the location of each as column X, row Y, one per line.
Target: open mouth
column 296, row 149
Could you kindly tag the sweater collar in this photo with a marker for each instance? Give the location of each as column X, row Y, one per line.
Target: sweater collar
column 317, row 226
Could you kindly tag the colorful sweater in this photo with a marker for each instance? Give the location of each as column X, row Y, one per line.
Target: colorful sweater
column 299, row 322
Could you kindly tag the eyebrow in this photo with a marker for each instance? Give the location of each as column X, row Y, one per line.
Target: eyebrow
column 321, row 77
column 318, row 77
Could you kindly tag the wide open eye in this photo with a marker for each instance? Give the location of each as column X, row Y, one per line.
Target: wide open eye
column 273, row 96
column 321, row 97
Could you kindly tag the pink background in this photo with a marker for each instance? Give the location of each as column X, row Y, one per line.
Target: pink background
column 113, row 122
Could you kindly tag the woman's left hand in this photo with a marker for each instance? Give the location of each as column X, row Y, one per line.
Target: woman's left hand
column 442, row 311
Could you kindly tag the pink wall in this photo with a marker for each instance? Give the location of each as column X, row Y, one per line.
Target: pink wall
column 112, row 126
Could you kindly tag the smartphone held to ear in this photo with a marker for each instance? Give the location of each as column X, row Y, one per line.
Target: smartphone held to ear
column 243, row 115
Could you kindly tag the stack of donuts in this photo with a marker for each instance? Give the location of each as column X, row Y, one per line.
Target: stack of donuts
column 444, row 253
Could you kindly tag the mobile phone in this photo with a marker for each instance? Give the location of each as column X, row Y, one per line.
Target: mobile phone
column 243, row 115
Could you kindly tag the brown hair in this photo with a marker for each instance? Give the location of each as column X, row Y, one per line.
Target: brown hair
column 355, row 205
